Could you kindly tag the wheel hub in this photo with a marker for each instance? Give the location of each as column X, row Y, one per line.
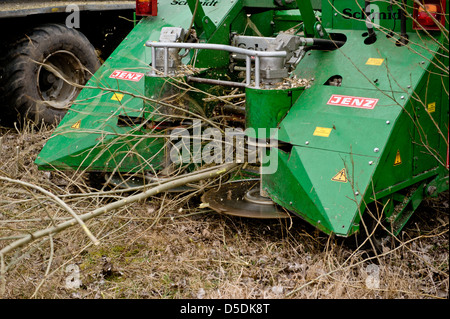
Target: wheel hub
column 51, row 86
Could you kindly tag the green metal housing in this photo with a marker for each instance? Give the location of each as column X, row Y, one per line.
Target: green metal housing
column 379, row 137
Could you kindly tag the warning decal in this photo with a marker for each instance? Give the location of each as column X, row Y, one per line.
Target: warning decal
column 77, row 125
column 352, row 101
column 431, row 107
column 398, row 158
column 340, row 177
column 129, row 76
column 375, row 61
column 322, row 131
column 117, row 97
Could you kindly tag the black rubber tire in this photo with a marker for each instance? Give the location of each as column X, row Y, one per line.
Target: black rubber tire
column 31, row 91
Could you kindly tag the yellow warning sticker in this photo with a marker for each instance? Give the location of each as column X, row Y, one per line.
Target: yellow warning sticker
column 117, row 97
column 375, row 61
column 322, row 131
column 431, row 107
column 77, row 125
column 398, row 158
column 340, row 177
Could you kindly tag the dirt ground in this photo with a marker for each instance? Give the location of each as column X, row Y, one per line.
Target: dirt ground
column 168, row 247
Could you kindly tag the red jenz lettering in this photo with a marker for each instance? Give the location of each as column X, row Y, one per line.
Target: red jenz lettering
column 352, row 101
column 129, row 76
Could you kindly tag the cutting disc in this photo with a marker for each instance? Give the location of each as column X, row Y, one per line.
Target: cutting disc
column 242, row 198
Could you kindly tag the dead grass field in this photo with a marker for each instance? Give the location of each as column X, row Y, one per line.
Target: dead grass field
column 167, row 247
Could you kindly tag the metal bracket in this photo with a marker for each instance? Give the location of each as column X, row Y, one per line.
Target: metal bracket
column 249, row 56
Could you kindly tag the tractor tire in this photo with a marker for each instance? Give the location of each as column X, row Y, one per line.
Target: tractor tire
column 44, row 72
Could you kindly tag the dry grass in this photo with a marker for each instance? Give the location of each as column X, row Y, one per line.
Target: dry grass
column 166, row 247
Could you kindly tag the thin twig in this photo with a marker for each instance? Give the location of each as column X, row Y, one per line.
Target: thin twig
column 202, row 174
column 57, row 200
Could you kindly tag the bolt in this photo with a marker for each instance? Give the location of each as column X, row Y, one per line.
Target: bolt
column 376, row 149
column 388, row 122
column 290, row 203
column 335, row 14
column 431, row 190
column 319, row 29
column 370, row 162
column 409, row 86
column 402, row 97
column 306, row 143
column 356, row 193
